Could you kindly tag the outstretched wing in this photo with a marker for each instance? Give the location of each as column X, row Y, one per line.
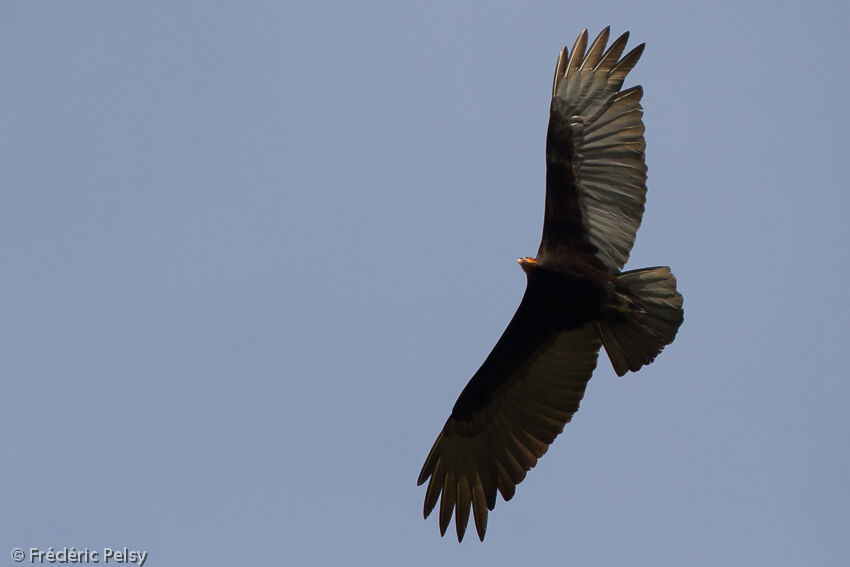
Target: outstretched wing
column 507, row 416
column 596, row 175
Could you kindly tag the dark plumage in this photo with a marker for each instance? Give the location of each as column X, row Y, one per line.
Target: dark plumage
column 576, row 299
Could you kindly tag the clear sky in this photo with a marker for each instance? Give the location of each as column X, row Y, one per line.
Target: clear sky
column 251, row 254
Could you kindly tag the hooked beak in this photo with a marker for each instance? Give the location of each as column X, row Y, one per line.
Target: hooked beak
column 526, row 263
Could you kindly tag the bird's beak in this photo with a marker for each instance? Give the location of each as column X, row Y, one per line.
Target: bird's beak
column 526, row 262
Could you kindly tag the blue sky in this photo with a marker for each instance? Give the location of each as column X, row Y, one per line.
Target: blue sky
column 252, row 254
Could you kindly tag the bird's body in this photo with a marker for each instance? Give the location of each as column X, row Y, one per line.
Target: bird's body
column 555, row 301
column 577, row 299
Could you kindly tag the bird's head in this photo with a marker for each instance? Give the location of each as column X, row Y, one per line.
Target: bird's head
column 527, row 264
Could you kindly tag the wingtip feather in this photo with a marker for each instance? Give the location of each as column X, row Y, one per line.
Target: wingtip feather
column 432, row 494
column 464, row 498
column 577, row 52
column 447, row 502
column 479, row 509
column 559, row 69
column 612, row 54
column 594, row 53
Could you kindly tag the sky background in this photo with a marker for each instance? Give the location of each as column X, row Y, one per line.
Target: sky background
column 251, row 254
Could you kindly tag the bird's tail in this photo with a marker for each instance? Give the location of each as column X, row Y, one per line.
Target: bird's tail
column 646, row 327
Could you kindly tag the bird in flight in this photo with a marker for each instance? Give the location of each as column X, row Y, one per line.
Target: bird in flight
column 577, row 299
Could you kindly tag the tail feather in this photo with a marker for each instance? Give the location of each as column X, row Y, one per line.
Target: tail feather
column 635, row 339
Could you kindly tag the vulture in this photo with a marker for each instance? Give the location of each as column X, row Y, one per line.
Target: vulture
column 577, row 297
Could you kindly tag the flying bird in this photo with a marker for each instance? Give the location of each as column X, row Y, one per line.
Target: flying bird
column 577, row 299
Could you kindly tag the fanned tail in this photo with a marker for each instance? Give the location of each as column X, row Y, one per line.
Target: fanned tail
column 637, row 338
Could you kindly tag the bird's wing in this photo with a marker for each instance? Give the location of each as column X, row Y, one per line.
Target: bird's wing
column 507, row 416
column 595, row 170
